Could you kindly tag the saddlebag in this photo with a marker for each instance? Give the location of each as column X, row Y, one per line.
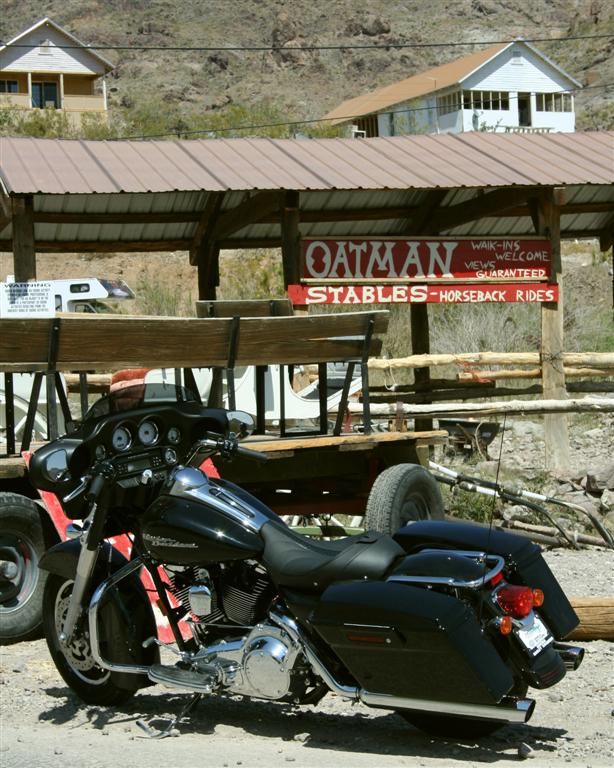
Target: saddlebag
column 524, row 562
column 408, row 642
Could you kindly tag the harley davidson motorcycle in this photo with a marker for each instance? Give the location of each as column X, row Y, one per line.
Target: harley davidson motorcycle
column 447, row 623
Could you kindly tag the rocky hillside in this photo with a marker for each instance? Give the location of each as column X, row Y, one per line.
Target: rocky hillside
column 238, row 87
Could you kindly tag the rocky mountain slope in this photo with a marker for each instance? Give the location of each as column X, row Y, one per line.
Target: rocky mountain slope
column 233, row 87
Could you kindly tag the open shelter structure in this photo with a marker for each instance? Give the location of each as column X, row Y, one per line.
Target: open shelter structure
column 202, row 196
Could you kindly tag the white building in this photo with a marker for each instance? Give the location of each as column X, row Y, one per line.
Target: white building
column 45, row 67
column 507, row 87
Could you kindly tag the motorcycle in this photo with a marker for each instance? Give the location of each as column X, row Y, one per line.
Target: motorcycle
column 446, row 623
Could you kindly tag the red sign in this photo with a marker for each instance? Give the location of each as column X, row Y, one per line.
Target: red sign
column 416, row 293
column 425, row 259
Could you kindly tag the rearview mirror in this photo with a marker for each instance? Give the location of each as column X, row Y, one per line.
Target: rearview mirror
column 240, row 423
column 56, row 466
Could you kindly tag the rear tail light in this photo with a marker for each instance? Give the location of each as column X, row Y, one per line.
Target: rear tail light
column 516, row 601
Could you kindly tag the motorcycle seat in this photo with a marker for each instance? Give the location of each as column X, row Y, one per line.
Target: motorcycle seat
column 293, row 560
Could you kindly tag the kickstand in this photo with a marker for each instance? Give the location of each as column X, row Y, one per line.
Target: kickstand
column 170, row 730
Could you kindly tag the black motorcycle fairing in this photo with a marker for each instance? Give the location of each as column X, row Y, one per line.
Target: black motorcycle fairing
column 126, row 616
column 403, row 641
column 523, row 560
column 297, row 562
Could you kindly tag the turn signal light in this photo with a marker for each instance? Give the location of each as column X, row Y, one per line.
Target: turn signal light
column 516, row 601
column 538, row 598
column 505, row 625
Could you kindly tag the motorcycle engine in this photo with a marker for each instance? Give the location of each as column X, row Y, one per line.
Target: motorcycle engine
column 263, row 662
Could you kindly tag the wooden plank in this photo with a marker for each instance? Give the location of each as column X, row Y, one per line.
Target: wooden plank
column 111, row 342
column 342, row 441
column 596, row 616
column 12, row 467
column 24, row 254
column 244, row 308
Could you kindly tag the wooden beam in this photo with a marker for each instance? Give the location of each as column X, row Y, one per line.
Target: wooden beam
column 251, row 211
column 24, row 254
column 44, row 217
column 420, row 218
column 290, row 238
column 480, row 207
column 556, row 434
column 101, row 246
column 210, row 212
column 606, row 235
column 208, row 256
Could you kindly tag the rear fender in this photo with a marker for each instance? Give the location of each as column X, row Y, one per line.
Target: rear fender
column 126, row 616
column 523, row 561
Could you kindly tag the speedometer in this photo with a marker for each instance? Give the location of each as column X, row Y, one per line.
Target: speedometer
column 148, row 432
column 121, row 438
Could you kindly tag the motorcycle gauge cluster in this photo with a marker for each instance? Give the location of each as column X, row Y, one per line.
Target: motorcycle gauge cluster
column 121, row 438
column 148, row 433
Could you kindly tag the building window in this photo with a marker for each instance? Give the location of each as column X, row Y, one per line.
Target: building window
column 45, row 47
column 497, row 100
column 368, row 124
column 45, row 94
column 9, row 86
column 553, row 102
column 451, row 102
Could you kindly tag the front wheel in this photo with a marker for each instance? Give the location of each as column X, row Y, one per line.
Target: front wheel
column 74, row 661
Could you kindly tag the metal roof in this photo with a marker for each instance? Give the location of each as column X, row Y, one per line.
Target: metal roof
column 138, row 195
column 431, row 81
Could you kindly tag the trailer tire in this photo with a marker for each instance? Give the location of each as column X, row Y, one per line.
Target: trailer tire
column 400, row 495
column 22, row 544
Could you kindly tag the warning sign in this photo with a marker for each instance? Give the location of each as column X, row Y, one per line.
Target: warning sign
column 27, row 299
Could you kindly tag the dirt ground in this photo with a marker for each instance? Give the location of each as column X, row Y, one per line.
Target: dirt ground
column 44, row 725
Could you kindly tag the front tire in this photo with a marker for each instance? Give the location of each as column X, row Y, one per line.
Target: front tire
column 400, row 495
column 74, row 661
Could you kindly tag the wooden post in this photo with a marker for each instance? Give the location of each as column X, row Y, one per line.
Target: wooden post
column 556, row 433
column 290, row 237
column 421, row 344
column 24, row 254
column 207, row 260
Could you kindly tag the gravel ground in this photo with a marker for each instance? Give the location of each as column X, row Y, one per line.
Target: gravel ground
column 43, row 724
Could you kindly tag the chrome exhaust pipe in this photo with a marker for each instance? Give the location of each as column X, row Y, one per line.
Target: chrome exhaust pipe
column 572, row 655
column 509, row 710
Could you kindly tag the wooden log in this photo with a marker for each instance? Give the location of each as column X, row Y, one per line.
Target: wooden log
column 596, row 616
column 530, row 373
column 96, row 382
column 594, row 359
column 594, row 405
column 545, row 530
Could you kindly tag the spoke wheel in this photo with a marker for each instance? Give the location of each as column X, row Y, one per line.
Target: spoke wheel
column 74, row 659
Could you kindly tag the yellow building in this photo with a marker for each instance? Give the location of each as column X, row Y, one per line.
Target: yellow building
column 47, row 67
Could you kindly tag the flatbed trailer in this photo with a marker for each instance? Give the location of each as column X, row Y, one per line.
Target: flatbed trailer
column 321, row 474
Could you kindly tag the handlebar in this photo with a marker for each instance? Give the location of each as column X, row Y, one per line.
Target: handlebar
column 227, row 447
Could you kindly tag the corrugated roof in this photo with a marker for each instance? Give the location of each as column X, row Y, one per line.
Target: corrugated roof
column 435, row 79
column 151, row 195
column 57, row 167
